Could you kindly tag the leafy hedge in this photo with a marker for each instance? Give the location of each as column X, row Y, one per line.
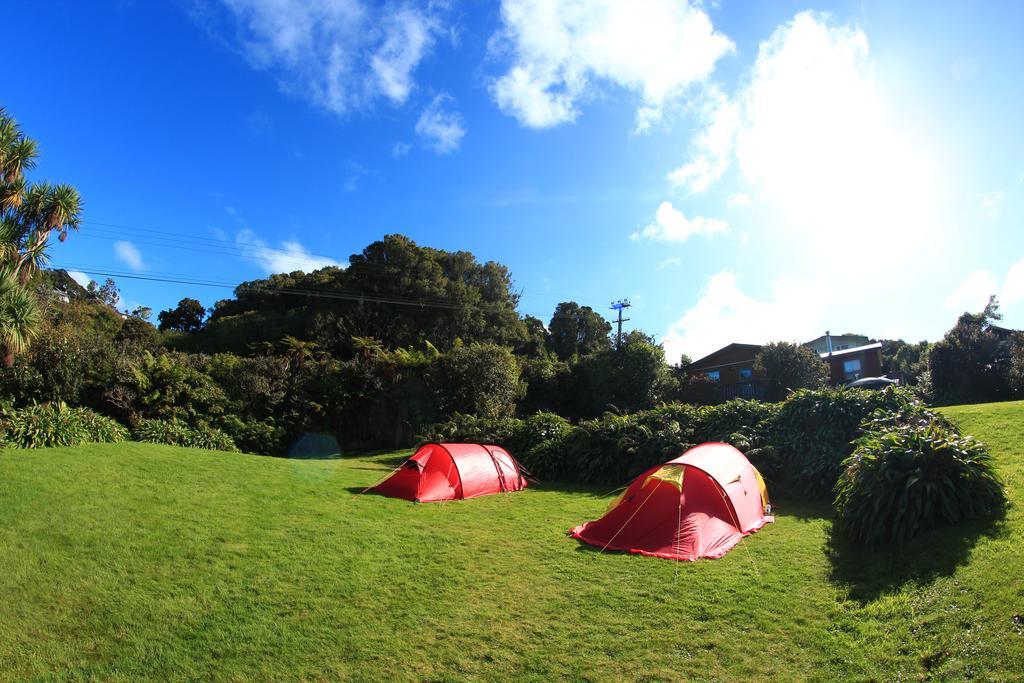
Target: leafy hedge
column 798, row 445
column 55, row 424
column 910, row 472
column 612, row 448
column 176, row 433
column 813, row 433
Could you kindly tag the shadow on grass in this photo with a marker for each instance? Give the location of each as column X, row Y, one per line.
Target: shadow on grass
column 804, row 510
column 320, row 446
column 868, row 573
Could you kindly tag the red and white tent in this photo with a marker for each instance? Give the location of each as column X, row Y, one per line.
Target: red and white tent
column 698, row 505
column 453, row 471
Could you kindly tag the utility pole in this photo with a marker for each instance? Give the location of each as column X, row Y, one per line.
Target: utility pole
column 618, row 306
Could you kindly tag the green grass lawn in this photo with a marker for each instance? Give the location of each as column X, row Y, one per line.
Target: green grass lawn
column 130, row 561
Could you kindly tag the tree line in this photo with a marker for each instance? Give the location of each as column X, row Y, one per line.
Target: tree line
column 405, row 336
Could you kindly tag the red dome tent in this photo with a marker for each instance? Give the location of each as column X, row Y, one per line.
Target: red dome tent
column 453, row 471
column 699, row 505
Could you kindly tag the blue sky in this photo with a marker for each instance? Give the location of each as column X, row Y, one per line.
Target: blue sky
column 742, row 171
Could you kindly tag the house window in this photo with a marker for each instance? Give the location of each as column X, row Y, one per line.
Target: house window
column 851, row 369
column 713, row 375
column 746, row 374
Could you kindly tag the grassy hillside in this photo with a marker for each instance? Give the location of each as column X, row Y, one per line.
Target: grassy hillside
column 129, row 561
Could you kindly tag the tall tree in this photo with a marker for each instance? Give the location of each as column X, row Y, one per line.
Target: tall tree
column 29, row 213
column 106, row 294
column 396, row 291
column 972, row 361
column 578, row 330
column 787, row 367
column 186, row 317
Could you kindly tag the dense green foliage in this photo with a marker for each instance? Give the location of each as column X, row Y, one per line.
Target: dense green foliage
column 186, row 317
column 173, row 432
column 787, row 367
column 394, row 291
column 231, row 567
column 813, row 431
column 577, row 331
column 799, row 445
column 909, row 474
column 904, row 362
column 55, row 424
column 974, row 361
column 29, row 213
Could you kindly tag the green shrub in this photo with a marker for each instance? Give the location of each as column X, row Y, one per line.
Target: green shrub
column 177, row 433
column 472, row 429
column 539, row 442
column 260, row 437
column 100, row 428
column 813, row 433
column 903, row 479
column 55, row 424
column 798, row 445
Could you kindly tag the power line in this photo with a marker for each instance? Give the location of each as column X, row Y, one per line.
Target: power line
column 347, row 296
column 223, row 247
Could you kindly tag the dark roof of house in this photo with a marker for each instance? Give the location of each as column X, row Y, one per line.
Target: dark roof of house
column 708, row 360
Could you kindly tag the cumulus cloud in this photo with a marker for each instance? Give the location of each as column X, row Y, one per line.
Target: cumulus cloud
column 1013, row 286
column 440, row 126
column 291, row 255
column 740, row 200
column 794, row 310
column 712, row 147
column 562, row 50
column 671, row 225
column 129, row 254
column 80, row 277
column 809, row 132
column 972, row 293
column 339, row 54
column 400, row 149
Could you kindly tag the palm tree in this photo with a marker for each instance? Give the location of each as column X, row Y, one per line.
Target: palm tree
column 19, row 318
column 28, row 214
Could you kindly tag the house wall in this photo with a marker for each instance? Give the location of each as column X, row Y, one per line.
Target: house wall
column 870, row 365
column 728, row 365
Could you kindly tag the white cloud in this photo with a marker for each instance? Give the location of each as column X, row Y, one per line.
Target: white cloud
column 339, row 54
column 740, row 200
column 290, row 257
column 972, row 294
column 400, row 149
column 712, row 146
column 992, row 203
column 354, row 173
column 793, row 311
column 80, row 277
column 811, row 137
column 562, row 49
column 671, row 225
column 441, row 127
column 130, row 254
column 670, row 262
column 1013, row 286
